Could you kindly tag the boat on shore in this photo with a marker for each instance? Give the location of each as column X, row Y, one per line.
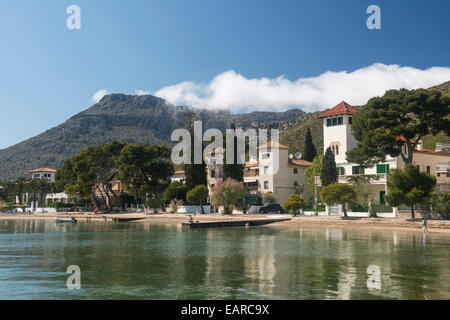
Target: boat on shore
column 66, row 220
column 232, row 223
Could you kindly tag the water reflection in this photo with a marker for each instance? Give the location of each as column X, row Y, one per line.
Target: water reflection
column 162, row 261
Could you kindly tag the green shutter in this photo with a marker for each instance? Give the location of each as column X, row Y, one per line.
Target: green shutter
column 381, row 168
column 361, row 170
column 342, row 171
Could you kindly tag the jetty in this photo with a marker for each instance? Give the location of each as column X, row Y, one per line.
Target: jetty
column 127, row 219
column 232, row 223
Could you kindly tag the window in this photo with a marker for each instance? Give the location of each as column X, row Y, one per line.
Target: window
column 335, row 121
column 382, row 168
column 213, row 173
column 340, row 171
column 428, row 169
column 295, row 183
column 266, row 184
column 335, row 148
column 266, row 170
column 295, row 170
column 37, row 175
column 357, row 170
column 266, row 155
column 440, row 174
column 350, row 120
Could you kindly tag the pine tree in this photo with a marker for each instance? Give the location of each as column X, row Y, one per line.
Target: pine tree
column 195, row 173
column 329, row 171
column 310, row 148
column 234, row 171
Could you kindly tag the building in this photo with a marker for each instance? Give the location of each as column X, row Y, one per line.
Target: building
column 47, row 173
column 178, row 175
column 275, row 171
column 338, row 136
column 281, row 175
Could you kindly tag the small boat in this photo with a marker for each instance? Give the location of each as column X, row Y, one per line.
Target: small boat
column 66, row 220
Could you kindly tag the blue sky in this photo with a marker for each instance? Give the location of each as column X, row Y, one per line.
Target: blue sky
column 49, row 73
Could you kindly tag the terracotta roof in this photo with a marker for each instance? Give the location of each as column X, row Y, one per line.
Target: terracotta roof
column 42, row 170
column 301, row 162
column 179, row 172
column 273, row 145
column 416, row 149
column 340, row 109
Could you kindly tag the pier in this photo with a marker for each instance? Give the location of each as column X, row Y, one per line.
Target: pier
column 235, row 223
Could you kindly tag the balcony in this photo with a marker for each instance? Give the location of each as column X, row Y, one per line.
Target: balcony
column 380, row 178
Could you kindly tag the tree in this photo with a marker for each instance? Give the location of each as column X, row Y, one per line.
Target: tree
column 227, row 192
column 364, row 195
column 338, row 193
column 198, row 195
column 146, row 168
column 314, row 170
column 328, row 174
column 395, row 123
column 233, row 170
column 20, row 184
column 44, row 187
column 33, row 188
column 270, row 197
column 441, row 202
column 294, row 203
column 89, row 172
column 175, row 191
column 310, row 148
column 195, row 173
column 409, row 187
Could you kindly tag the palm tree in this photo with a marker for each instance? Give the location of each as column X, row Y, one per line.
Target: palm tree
column 33, row 188
column 44, row 187
column 20, row 187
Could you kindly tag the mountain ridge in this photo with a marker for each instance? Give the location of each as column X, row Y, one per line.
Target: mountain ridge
column 127, row 118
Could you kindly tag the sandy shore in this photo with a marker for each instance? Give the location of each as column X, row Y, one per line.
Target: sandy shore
column 313, row 221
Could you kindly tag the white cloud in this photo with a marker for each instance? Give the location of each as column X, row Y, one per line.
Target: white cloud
column 230, row 90
column 141, row 92
column 99, row 95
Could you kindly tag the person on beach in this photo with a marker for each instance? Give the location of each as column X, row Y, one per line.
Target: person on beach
column 424, row 225
column 96, row 211
column 191, row 220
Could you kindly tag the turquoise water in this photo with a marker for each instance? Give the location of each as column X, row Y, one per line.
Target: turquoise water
column 162, row 261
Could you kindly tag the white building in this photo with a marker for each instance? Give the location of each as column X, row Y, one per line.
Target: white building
column 49, row 174
column 273, row 172
column 338, row 136
column 178, row 176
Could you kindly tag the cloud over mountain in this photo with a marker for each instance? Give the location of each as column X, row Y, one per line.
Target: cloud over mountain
column 230, row 90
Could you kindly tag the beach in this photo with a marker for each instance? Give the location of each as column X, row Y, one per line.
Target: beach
column 441, row 226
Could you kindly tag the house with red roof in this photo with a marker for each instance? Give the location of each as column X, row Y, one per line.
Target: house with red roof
column 47, row 173
column 337, row 135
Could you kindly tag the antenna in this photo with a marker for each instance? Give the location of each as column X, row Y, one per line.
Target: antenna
column 298, row 155
column 291, row 156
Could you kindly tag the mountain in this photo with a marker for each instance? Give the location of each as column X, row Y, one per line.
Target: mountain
column 126, row 118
